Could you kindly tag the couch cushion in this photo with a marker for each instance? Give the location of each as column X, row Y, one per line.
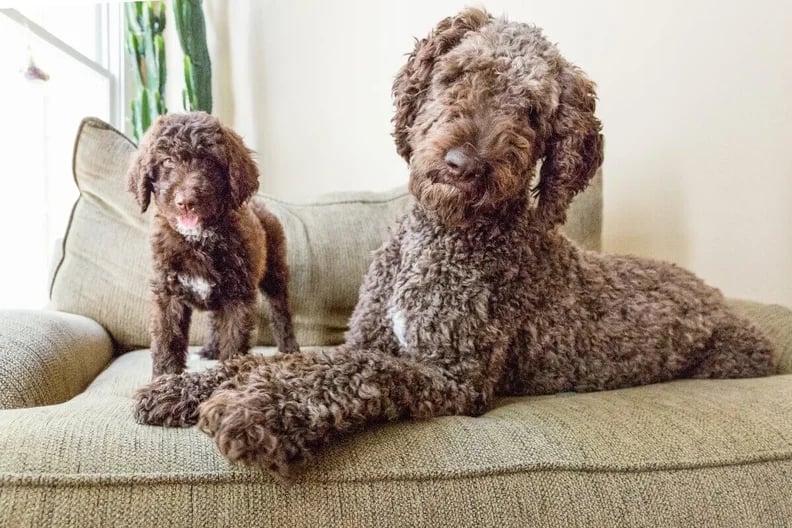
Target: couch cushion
column 775, row 321
column 47, row 357
column 687, row 453
column 104, row 270
column 679, row 453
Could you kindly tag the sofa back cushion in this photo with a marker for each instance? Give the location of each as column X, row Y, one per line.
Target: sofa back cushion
column 104, row 271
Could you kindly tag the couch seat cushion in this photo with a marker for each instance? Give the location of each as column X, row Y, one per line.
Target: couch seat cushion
column 684, row 452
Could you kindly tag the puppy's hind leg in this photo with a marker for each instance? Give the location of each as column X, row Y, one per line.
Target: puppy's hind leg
column 211, row 349
column 275, row 284
column 233, row 326
column 736, row 349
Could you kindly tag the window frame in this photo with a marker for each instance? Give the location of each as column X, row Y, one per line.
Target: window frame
column 110, row 56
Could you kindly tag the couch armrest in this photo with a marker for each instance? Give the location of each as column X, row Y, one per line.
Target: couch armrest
column 48, row 357
column 776, row 322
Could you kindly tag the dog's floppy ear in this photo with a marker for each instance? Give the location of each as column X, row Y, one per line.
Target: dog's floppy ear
column 140, row 175
column 412, row 81
column 243, row 175
column 574, row 150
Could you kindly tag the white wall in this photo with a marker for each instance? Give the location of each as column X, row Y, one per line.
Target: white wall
column 694, row 97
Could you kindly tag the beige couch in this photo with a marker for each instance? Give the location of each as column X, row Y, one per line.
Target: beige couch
column 687, row 453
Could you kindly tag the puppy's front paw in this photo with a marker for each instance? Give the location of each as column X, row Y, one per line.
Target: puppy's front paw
column 209, row 351
column 165, row 401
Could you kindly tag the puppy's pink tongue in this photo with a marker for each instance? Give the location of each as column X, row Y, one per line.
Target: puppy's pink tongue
column 188, row 221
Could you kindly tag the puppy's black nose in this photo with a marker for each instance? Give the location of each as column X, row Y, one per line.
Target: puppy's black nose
column 183, row 201
column 459, row 162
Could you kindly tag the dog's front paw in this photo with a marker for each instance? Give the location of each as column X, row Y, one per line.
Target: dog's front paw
column 251, row 430
column 165, row 401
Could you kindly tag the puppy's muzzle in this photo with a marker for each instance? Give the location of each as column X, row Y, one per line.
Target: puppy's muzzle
column 185, row 201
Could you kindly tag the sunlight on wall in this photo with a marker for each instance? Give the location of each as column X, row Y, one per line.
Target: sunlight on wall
column 694, row 98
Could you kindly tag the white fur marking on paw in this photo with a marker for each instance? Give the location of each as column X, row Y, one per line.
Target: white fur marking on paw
column 198, row 285
column 398, row 321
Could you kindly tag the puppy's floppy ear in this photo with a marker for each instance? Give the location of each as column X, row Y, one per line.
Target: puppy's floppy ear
column 243, row 175
column 412, row 81
column 574, row 150
column 141, row 172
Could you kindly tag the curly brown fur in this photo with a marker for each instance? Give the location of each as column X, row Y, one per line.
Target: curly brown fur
column 212, row 245
column 477, row 293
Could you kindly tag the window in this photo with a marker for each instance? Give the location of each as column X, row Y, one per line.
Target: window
column 79, row 48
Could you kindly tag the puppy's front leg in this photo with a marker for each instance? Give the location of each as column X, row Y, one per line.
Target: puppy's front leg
column 233, row 326
column 170, row 325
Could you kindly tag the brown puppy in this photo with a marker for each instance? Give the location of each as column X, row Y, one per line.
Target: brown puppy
column 212, row 246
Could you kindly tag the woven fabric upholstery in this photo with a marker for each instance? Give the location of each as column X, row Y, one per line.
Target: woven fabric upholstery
column 677, row 453
column 47, row 357
column 686, row 453
column 105, row 268
column 775, row 322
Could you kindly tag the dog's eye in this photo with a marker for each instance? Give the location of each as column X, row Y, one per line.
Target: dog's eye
column 532, row 113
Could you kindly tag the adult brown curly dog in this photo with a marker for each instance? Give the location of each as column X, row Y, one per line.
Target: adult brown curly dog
column 476, row 293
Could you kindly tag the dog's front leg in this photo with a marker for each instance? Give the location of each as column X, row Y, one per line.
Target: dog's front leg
column 170, row 326
column 289, row 406
column 370, row 326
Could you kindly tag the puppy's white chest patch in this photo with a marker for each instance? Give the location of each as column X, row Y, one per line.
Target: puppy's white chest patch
column 398, row 322
column 198, row 285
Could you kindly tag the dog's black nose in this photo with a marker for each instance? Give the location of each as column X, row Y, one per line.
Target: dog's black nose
column 458, row 162
column 183, row 201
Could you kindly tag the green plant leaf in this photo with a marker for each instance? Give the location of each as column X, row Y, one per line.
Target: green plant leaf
column 189, row 85
column 191, row 28
column 162, row 71
column 145, row 110
column 145, row 22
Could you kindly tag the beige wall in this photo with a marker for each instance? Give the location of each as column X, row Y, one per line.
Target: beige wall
column 694, row 97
